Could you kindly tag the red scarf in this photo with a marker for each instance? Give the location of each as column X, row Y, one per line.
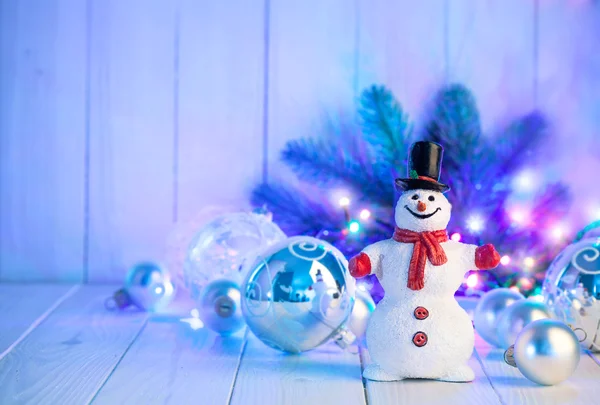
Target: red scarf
column 427, row 245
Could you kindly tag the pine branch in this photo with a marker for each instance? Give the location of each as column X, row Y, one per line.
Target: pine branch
column 551, row 204
column 516, row 143
column 454, row 123
column 326, row 162
column 385, row 126
column 295, row 212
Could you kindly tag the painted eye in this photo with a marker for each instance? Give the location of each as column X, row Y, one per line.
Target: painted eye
column 431, row 198
column 415, row 197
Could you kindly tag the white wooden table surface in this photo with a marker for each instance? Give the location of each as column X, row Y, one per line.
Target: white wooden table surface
column 58, row 345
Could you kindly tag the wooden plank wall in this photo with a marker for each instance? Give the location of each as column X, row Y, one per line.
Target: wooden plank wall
column 119, row 119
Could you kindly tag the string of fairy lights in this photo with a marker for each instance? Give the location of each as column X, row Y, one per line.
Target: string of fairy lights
column 524, row 185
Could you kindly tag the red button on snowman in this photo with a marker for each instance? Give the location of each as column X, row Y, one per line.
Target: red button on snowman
column 418, row 330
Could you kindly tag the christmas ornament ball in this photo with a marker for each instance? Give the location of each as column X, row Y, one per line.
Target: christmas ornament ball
column 546, row 352
column 572, row 288
column 363, row 308
column 219, row 307
column 488, row 311
column 516, row 316
column 298, row 294
column 148, row 286
column 222, row 247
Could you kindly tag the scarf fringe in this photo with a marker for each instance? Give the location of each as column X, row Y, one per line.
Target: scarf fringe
column 426, row 246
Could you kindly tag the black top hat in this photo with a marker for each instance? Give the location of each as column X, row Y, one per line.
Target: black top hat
column 424, row 164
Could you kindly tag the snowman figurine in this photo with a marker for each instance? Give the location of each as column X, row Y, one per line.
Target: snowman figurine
column 418, row 330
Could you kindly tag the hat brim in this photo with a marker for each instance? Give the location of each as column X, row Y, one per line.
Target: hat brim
column 419, row 184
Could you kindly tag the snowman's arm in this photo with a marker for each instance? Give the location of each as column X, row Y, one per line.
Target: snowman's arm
column 367, row 262
column 480, row 257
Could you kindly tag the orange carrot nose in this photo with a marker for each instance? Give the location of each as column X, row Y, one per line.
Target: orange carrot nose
column 421, row 206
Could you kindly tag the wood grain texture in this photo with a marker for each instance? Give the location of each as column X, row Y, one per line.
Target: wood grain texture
column 401, row 45
column 42, row 123
column 326, row 375
column 513, row 388
column 312, row 70
column 22, row 306
column 478, row 392
column 67, row 358
column 171, row 363
column 569, row 93
column 131, row 134
column 491, row 50
column 221, row 90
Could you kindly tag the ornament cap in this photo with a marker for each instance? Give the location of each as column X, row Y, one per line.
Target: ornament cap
column 509, row 356
column 119, row 300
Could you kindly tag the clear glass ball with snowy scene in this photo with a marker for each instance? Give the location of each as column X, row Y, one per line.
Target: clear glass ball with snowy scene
column 224, row 245
column 298, row 294
column 572, row 287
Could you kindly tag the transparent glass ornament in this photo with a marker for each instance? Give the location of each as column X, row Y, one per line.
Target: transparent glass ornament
column 572, row 288
column 222, row 248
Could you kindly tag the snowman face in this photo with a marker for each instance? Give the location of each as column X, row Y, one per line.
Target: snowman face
column 422, row 210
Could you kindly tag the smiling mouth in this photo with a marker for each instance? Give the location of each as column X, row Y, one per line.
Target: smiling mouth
column 422, row 216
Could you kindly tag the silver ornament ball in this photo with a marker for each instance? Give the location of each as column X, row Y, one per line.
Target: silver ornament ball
column 219, row 307
column 547, row 352
column 488, row 310
column 298, row 294
column 516, row 316
column 148, row 286
column 572, row 287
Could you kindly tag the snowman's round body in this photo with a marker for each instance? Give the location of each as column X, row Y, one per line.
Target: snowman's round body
column 448, row 338
column 420, row 333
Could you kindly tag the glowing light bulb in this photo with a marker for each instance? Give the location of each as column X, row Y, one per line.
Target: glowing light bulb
column 354, row 227
column 518, row 216
column 525, row 283
column 529, row 262
column 455, row 237
column 365, row 214
column 505, row 260
column 344, row 202
column 475, row 223
column 558, row 232
column 194, row 322
column 524, row 181
column 472, row 280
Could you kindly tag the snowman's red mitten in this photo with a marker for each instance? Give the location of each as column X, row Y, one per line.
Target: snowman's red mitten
column 360, row 265
column 486, row 257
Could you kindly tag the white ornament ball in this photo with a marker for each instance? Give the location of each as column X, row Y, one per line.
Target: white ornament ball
column 516, row 316
column 547, row 352
column 488, row 311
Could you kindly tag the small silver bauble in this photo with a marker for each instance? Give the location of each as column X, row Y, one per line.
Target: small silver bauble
column 488, row 310
column 546, row 352
column 516, row 316
column 147, row 286
column 572, row 287
column 298, row 294
column 219, row 307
